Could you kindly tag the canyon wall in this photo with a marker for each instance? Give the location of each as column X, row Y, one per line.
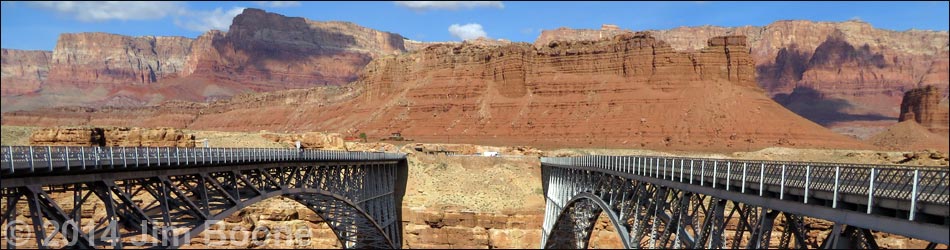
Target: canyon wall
column 847, row 76
column 23, row 71
column 860, row 72
column 632, row 90
column 89, row 60
column 261, row 52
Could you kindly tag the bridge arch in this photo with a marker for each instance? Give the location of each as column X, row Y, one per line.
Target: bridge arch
column 174, row 194
column 673, row 202
column 575, row 223
column 345, row 221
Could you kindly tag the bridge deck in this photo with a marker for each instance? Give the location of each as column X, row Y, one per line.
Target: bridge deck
column 50, row 160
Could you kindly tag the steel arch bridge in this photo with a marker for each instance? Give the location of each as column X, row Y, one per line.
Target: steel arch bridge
column 670, row 202
column 172, row 194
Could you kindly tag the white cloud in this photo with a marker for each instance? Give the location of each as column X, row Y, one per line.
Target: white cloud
column 467, row 31
column 207, row 20
column 449, row 5
column 112, row 10
column 196, row 20
column 278, row 4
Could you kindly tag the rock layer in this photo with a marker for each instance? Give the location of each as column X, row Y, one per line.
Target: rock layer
column 630, row 91
column 861, row 71
column 67, row 137
column 23, row 71
column 924, row 106
column 112, row 137
column 261, row 52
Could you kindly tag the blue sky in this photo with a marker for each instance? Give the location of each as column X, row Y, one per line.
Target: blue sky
column 32, row 25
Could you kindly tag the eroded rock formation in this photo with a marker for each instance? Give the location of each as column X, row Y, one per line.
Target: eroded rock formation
column 112, row 137
column 632, row 90
column 23, row 71
column 926, row 106
column 861, row 71
column 141, row 137
column 261, row 52
column 67, row 137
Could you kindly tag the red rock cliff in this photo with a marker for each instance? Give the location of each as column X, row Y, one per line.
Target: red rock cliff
column 861, row 71
column 630, row 91
column 89, row 60
column 282, row 52
column 23, row 71
column 924, row 106
column 261, row 52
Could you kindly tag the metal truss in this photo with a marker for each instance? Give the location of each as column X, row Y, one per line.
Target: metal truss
column 713, row 204
column 356, row 194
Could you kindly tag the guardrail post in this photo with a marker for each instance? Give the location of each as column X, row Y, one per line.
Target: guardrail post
column 762, row 179
column 49, row 157
column 834, row 197
column 125, row 162
column 682, row 162
column 112, row 157
column 32, row 161
column 728, row 173
column 98, row 158
column 807, row 181
column 871, row 191
column 168, row 155
column 715, row 169
column 82, row 153
column 148, row 160
column 66, row 158
column 702, row 174
column 10, row 154
column 744, row 165
column 691, row 164
column 913, row 195
column 781, row 192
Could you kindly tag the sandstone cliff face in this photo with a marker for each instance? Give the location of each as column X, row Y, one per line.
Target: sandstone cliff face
column 100, row 59
column 261, row 52
column 112, row 137
column 924, row 106
column 630, row 91
column 860, row 70
column 282, row 52
column 23, row 71
column 67, row 137
column 141, row 137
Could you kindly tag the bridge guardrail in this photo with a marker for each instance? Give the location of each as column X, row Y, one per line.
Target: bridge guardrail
column 912, row 184
column 43, row 159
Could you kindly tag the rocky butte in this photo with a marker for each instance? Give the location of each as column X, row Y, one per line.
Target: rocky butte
column 631, row 90
column 261, row 52
column 927, row 107
column 841, row 75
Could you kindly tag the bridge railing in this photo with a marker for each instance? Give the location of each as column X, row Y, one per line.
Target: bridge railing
column 915, row 185
column 40, row 159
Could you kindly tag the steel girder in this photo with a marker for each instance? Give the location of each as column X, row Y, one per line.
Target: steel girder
column 356, row 199
column 647, row 215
